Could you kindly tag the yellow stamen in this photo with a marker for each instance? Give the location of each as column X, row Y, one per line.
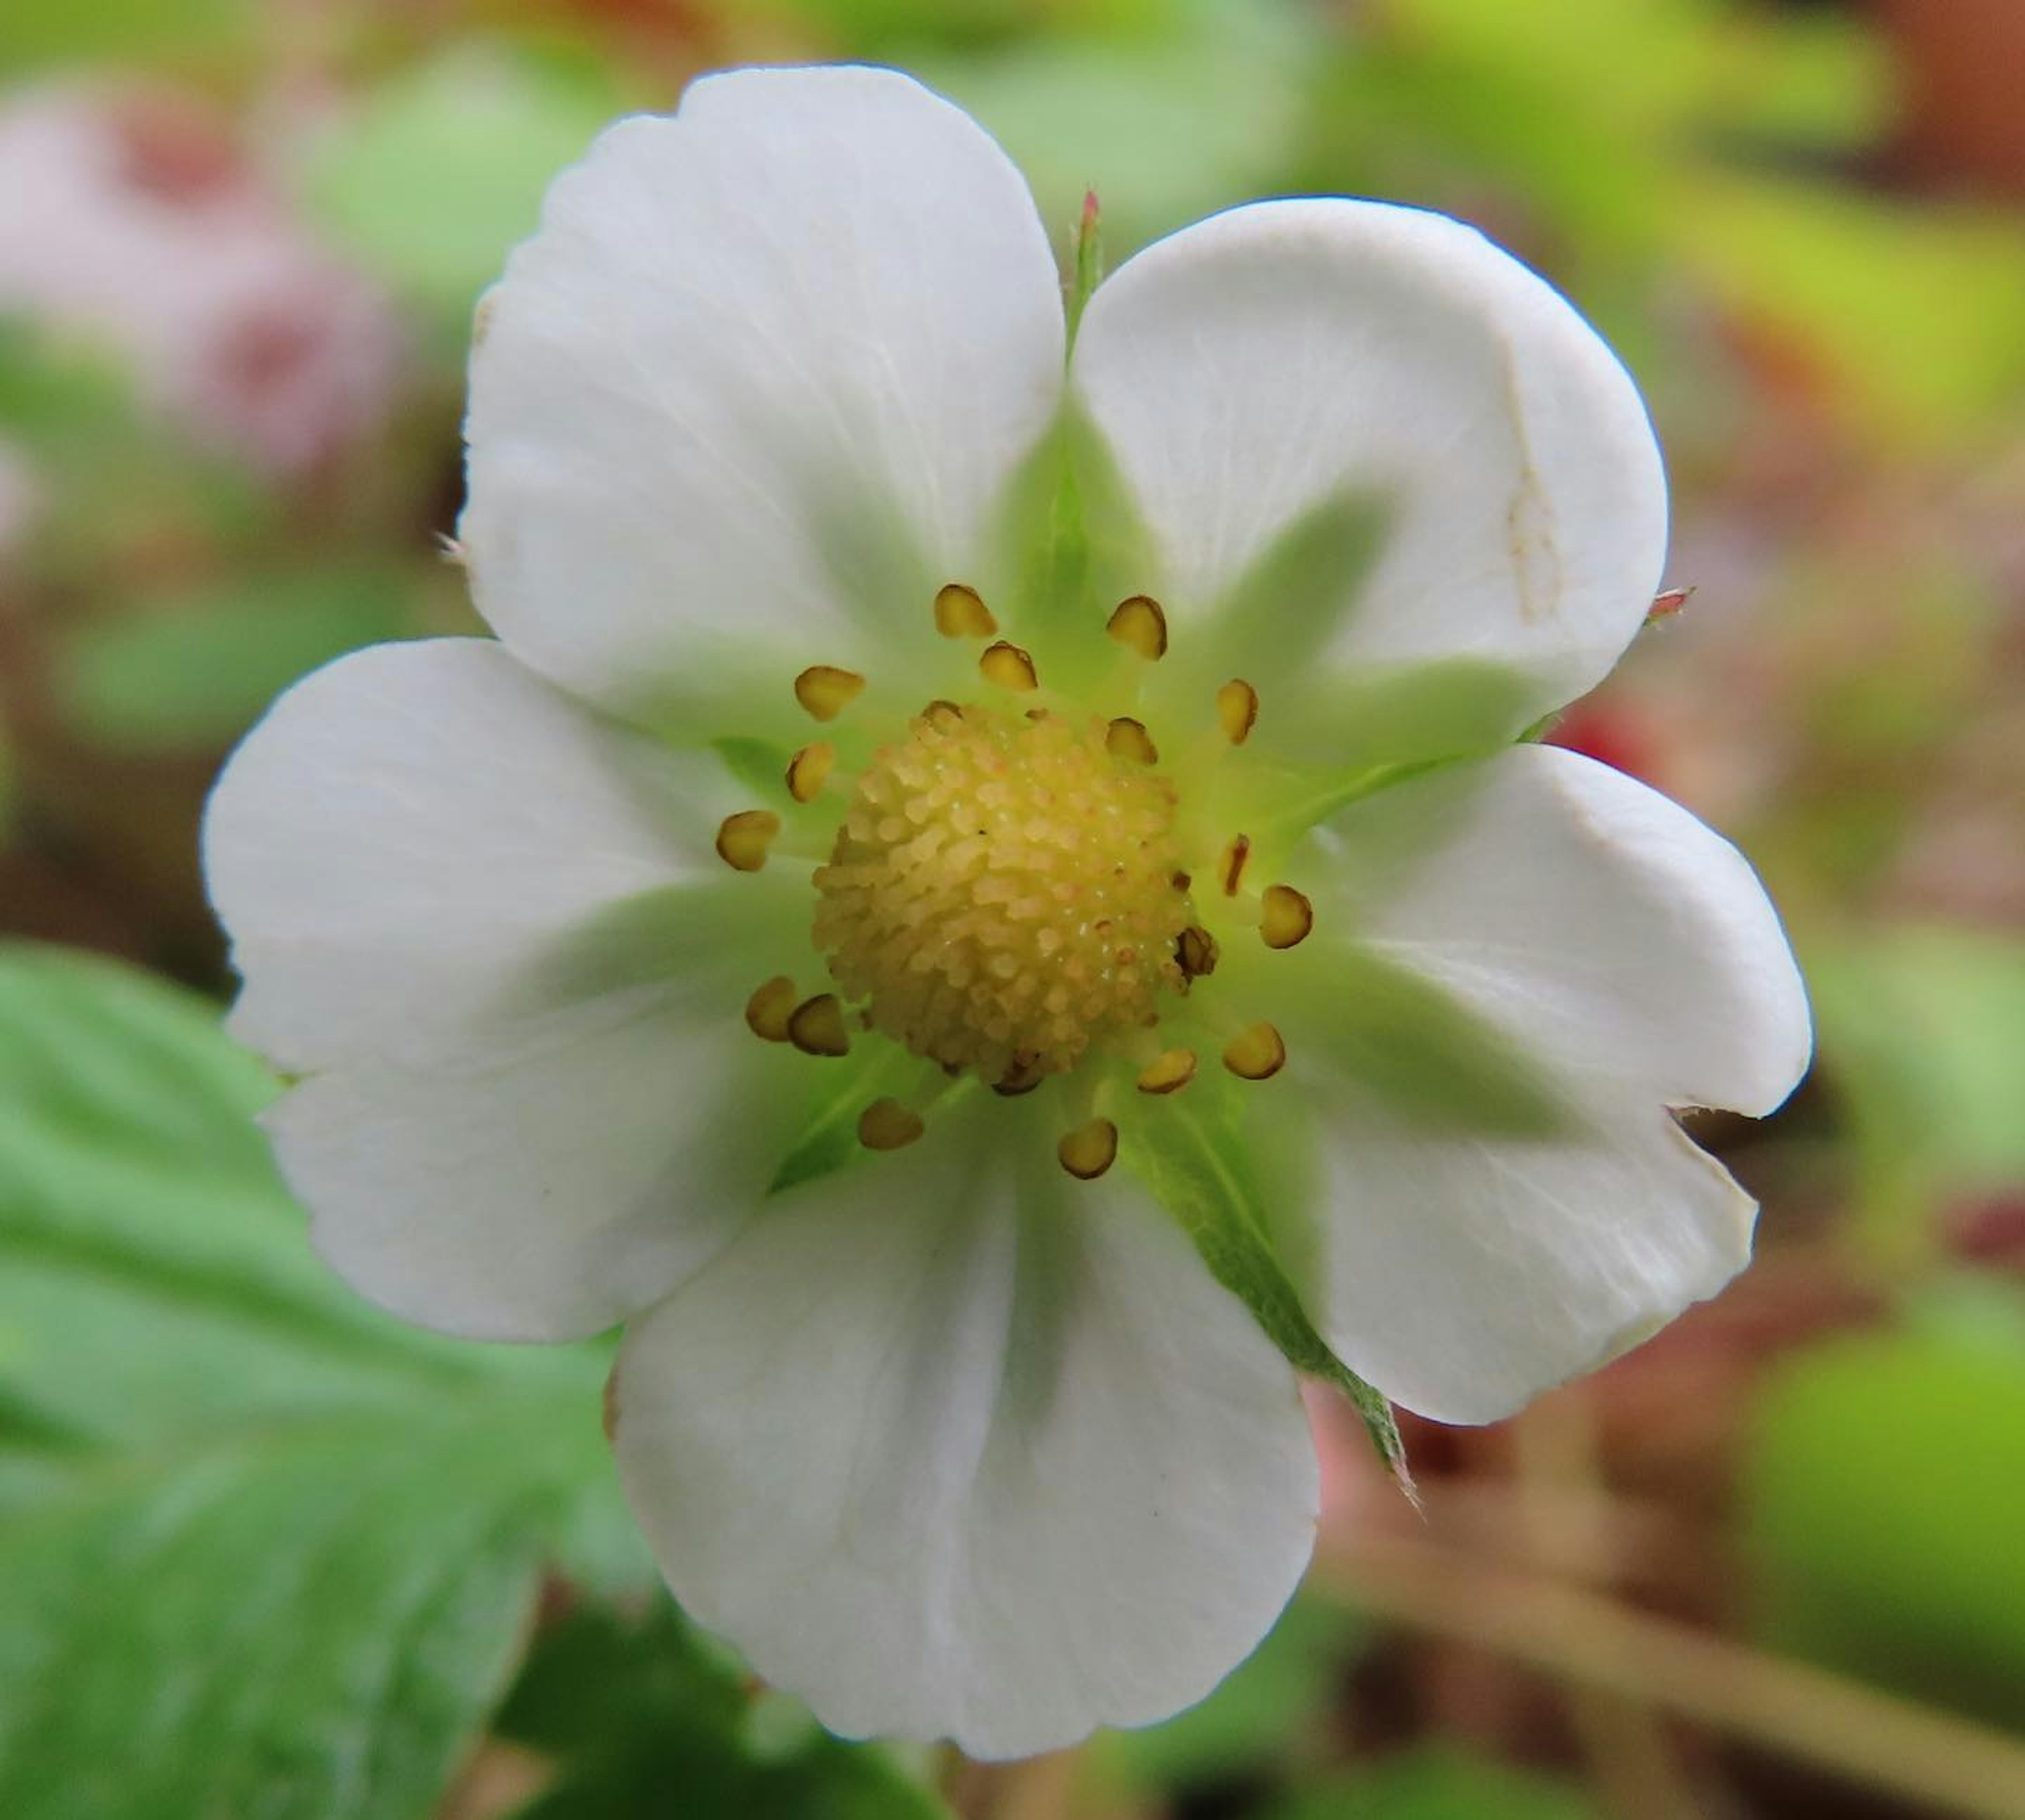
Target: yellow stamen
column 1127, row 738
column 960, row 612
column 824, row 691
column 1009, row 667
column 767, row 1011
column 809, row 770
column 1090, row 1149
column 1255, row 1054
column 1230, row 869
column 1236, row 711
column 888, row 1125
column 1140, row 625
column 1169, row 1073
column 944, row 715
column 743, row 839
column 815, row 1027
column 1287, row 918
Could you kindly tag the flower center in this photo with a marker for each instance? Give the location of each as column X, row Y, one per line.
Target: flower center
column 1003, row 893
column 1008, row 896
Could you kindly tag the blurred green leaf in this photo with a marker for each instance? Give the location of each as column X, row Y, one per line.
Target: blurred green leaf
column 265, row 1549
column 112, row 478
column 1909, row 317
column 1879, row 1512
column 1923, row 1040
column 298, row 1623
column 33, row 32
column 194, row 671
column 444, row 169
column 1439, row 1783
column 1279, row 1700
column 648, row 1718
column 1194, row 112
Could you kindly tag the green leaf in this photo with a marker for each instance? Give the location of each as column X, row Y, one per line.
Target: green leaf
column 1879, row 1512
column 1281, row 1697
column 1438, row 1782
column 114, row 479
column 647, row 1718
column 1923, row 1038
column 194, row 671
column 1199, row 109
column 1197, row 1166
column 1910, row 312
column 262, row 1550
column 445, row 168
column 300, row 1624
column 134, row 33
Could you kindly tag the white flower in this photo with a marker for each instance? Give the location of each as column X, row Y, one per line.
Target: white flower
column 768, row 452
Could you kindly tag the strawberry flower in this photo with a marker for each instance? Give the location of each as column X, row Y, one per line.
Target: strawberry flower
column 987, row 899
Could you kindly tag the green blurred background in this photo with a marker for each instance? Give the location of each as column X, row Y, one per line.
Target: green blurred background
column 265, row 1554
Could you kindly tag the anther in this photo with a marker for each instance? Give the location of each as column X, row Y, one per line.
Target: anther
column 1009, row 667
column 1168, row 1073
column 1090, row 1149
column 1127, row 738
column 809, row 770
column 1255, row 1054
column 768, row 1010
column 743, row 839
column 960, row 612
column 888, row 1125
column 1237, row 709
column 824, row 691
column 1139, row 624
column 1230, row 869
column 1195, row 952
column 815, row 1026
column 946, row 716
column 1024, row 1076
column 1286, row 917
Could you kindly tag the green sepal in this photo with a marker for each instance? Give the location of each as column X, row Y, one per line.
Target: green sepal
column 828, row 1139
column 1189, row 1155
column 758, row 764
column 1409, row 1044
column 1071, row 540
column 1088, row 272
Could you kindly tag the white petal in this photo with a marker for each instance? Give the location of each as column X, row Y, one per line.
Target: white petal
column 946, row 1464
column 546, row 1189
column 1269, row 362
column 746, row 399
column 406, row 846
column 1632, row 954
column 502, row 929
column 1462, row 1277
column 1598, row 924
